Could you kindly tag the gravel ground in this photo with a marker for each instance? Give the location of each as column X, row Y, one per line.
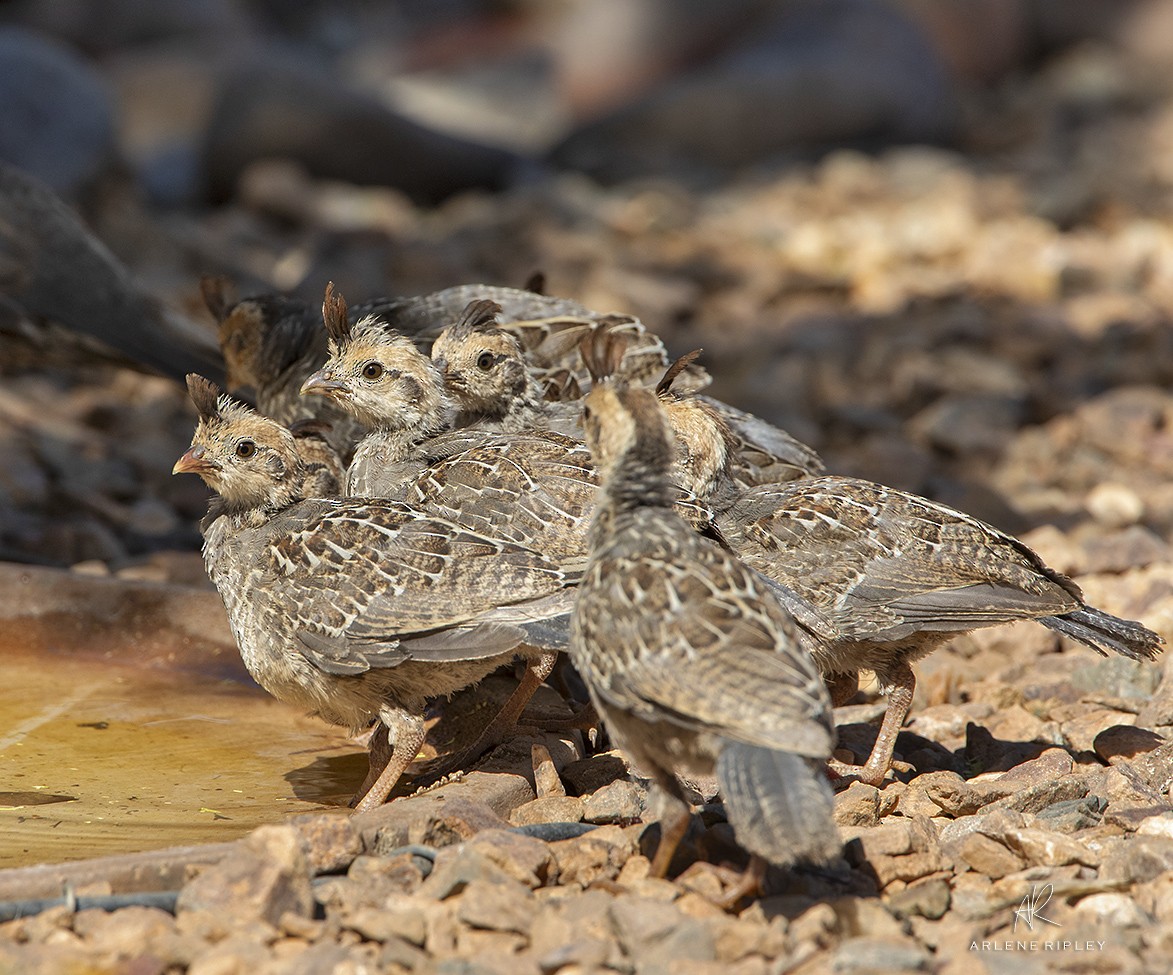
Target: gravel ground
column 992, row 329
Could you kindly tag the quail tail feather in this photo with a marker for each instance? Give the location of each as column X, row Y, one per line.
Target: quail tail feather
column 1103, row 632
column 779, row 804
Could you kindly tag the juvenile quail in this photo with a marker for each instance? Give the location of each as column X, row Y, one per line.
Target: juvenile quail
column 356, row 608
column 896, row 575
column 536, row 490
column 487, row 376
column 690, row 661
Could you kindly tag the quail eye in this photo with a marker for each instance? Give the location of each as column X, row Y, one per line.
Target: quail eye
column 372, row 370
column 246, row 449
column 586, row 413
column 485, row 361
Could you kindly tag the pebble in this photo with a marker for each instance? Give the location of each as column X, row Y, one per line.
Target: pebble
column 617, row 802
column 552, row 809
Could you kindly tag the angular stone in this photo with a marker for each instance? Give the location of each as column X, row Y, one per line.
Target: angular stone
column 584, row 954
column 267, row 878
column 880, row 955
column 455, row 820
column 456, row 868
column 1137, row 860
column 1155, row 768
column 329, row 843
column 619, row 802
column 655, row 932
column 1080, row 730
column 1032, row 798
column 1123, row 742
column 399, row 916
column 554, row 809
column 1042, row 848
column 588, row 775
column 1116, row 910
column 989, row 857
column 497, row 906
column 1072, row 815
column 598, row 855
column 929, row 899
column 547, row 781
column 524, row 858
column 863, row 805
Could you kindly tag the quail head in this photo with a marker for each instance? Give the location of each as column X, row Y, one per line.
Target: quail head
column 353, row 608
column 380, row 378
column 489, row 379
column 690, row 660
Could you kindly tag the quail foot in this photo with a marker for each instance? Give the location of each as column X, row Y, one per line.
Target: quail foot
column 691, row 662
column 356, row 609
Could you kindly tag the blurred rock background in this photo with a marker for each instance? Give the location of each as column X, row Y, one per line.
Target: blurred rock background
column 933, row 240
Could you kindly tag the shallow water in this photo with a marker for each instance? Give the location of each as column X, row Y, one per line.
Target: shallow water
column 113, row 745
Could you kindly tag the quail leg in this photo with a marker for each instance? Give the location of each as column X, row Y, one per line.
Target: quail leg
column 672, row 830
column 379, row 754
column 536, row 671
column 406, row 734
column 901, row 682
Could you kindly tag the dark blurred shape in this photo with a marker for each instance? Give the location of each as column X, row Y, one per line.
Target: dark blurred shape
column 274, row 109
column 56, row 116
column 53, row 269
column 813, row 73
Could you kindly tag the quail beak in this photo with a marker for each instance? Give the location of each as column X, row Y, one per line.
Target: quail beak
column 194, row 462
column 323, row 383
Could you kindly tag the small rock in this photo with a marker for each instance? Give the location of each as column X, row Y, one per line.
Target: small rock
column 1137, row 859
column 1123, row 741
column 553, row 809
column 651, row 932
column 397, row 952
column 617, row 802
column 497, row 906
column 399, row 916
column 524, row 858
column 1159, row 825
column 864, row 805
column 870, row 955
column 588, row 775
column 457, row 867
column 1041, row 848
column 453, row 821
column 1032, row 798
column 585, row 954
column 1116, row 910
column 1080, row 730
column 1072, row 815
column 330, row 843
column 547, row 781
column 598, row 855
column 1155, row 768
column 929, row 898
column 989, row 857
column 1114, row 505
column 1117, row 677
column 267, row 878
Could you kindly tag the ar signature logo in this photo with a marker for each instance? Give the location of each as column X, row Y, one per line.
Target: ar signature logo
column 1032, row 904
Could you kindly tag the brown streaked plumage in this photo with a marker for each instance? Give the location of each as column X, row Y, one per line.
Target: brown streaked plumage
column 356, row 608
column 692, row 663
column 899, row 575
